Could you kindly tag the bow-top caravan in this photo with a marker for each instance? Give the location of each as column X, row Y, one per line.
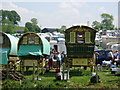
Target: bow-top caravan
column 8, row 48
column 33, row 48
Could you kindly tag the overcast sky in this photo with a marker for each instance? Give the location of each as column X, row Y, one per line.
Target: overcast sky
column 56, row 14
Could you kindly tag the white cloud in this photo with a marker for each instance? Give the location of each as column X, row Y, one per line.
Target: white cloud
column 24, row 13
column 71, row 4
column 102, row 10
column 67, row 13
column 71, row 7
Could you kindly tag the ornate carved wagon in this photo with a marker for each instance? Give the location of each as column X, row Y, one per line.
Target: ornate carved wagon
column 80, row 41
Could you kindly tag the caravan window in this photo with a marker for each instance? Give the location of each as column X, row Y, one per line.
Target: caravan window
column 80, row 37
column 31, row 40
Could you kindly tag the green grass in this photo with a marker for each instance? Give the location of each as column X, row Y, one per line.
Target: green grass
column 78, row 79
column 100, row 47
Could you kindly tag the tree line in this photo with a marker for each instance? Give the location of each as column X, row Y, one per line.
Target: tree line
column 105, row 24
column 9, row 21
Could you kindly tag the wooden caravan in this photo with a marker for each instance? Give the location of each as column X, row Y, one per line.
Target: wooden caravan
column 80, row 41
column 32, row 49
column 8, row 48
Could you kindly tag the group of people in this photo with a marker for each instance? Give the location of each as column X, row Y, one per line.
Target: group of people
column 114, row 56
column 56, row 56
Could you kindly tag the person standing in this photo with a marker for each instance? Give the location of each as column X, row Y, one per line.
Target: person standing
column 111, row 56
column 115, row 54
column 119, row 54
column 63, row 56
column 51, row 60
column 55, row 53
column 58, row 59
column 118, row 57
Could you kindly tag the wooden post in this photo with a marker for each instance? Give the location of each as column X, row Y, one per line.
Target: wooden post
column 37, row 69
column 7, row 70
column 22, row 67
column 33, row 70
column 15, row 65
column 42, row 66
column 63, row 71
column 68, row 72
column 20, row 82
column 97, row 74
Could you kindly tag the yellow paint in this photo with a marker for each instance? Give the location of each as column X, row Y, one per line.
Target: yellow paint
column 72, row 37
column 30, row 62
column 80, row 61
column 13, row 58
column 87, row 37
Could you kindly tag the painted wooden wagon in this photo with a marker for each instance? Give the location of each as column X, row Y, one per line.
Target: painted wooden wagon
column 80, row 41
column 8, row 48
column 32, row 50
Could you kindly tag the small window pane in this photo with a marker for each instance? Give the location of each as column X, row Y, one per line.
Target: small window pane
column 31, row 40
column 80, row 37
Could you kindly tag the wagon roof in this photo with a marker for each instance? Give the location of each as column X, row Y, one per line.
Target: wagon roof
column 82, row 27
column 13, row 42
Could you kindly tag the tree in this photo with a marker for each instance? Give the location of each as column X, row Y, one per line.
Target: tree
column 29, row 26
column 63, row 28
column 32, row 26
column 34, row 21
column 105, row 24
column 36, row 28
column 8, row 26
column 96, row 25
column 12, row 16
column 8, row 20
column 15, row 17
column 107, row 21
column 26, row 30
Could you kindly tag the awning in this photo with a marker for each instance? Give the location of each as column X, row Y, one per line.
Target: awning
column 25, row 50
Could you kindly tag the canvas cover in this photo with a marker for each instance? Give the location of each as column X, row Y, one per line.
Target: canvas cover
column 25, row 50
column 4, row 58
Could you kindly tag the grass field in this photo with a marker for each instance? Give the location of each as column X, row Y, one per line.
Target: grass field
column 78, row 79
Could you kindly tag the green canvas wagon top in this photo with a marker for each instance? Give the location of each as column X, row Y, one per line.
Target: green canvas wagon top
column 32, row 44
column 8, row 43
